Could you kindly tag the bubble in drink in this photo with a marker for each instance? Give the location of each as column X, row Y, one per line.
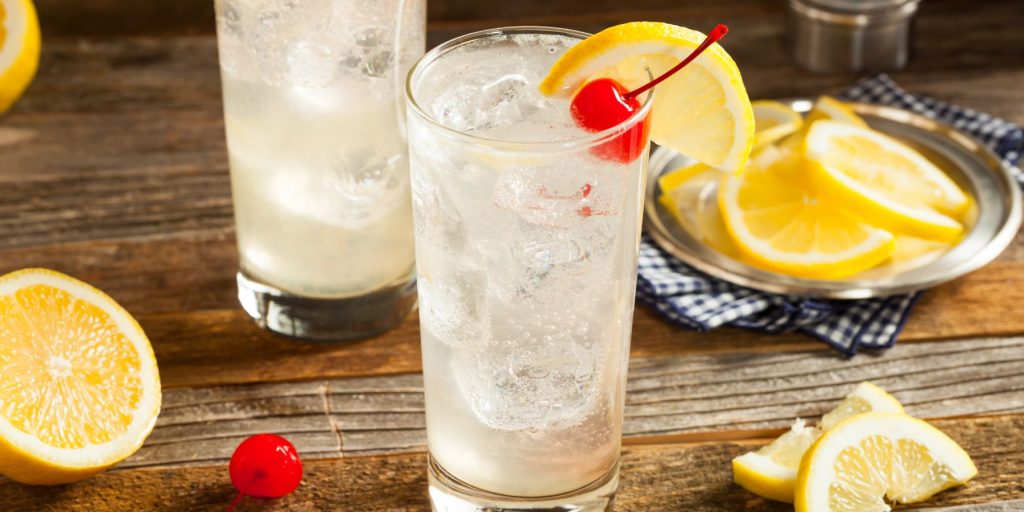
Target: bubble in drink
column 526, row 263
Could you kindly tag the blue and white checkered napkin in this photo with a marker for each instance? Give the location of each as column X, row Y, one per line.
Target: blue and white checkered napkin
column 691, row 299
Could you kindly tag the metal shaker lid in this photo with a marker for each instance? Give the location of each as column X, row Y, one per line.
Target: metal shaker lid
column 859, row 6
column 855, row 12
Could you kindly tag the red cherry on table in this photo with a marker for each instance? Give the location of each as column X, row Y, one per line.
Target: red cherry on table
column 265, row 466
column 601, row 104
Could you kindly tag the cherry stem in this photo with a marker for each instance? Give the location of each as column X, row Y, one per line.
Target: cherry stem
column 236, row 501
column 716, row 33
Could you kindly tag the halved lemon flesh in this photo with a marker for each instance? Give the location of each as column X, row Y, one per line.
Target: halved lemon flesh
column 888, row 183
column 771, row 471
column 80, row 388
column 872, row 457
column 19, row 49
column 779, row 217
column 702, row 111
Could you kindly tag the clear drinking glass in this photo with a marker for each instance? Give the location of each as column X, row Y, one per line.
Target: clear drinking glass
column 318, row 158
column 527, row 229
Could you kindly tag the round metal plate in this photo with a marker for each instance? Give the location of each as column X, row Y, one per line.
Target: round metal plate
column 968, row 162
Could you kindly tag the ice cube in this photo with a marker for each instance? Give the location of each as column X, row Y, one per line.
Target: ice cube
column 539, row 382
column 310, row 64
column 452, row 301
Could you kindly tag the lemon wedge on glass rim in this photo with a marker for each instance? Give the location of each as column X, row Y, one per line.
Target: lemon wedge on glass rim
column 701, row 111
column 80, row 389
column 771, row 472
column 19, row 49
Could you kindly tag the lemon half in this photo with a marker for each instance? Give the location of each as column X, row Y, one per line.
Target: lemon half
column 19, row 49
column 80, row 389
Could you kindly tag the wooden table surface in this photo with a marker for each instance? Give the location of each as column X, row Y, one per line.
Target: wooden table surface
column 113, row 169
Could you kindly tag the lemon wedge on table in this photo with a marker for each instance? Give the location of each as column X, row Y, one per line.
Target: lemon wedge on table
column 19, row 49
column 887, row 183
column 873, row 456
column 702, row 111
column 771, row 472
column 781, row 220
column 80, row 389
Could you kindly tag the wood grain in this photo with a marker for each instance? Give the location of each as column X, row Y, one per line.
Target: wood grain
column 113, row 169
column 700, row 397
column 669, row 477
column 183, row 293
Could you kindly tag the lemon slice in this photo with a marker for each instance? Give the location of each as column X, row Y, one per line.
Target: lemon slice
column 80, row 389
column 771, row 471
column 702, row 111
column 889, row 184
column 773, row 121
column 19, row 49
column 778, row 217
column 831, row 109
column 873, row 456
column 826, row 108
column 866, row 397
column 690, row 195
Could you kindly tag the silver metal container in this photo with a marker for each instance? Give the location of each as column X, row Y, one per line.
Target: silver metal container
column 851, row 35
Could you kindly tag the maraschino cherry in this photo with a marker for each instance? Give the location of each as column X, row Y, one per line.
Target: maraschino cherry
column 264, row 466
column 604, row 103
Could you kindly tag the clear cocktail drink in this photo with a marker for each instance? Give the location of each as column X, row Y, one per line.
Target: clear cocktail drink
column 318, row 160
column 526, row 249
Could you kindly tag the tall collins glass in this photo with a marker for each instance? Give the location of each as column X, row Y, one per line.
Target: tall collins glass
column 318, row 158
column 526, row 248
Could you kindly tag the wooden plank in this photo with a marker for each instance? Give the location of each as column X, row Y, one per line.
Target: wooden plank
column 688, row 476
column 183, row 293
column 699, row 397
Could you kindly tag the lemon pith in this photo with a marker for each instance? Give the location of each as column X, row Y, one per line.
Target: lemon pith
column 702, row 111
column 19, row 49
column 81, row 390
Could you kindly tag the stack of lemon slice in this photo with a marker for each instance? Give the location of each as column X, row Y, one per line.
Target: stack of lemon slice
column 862, row 452
column 827, row 197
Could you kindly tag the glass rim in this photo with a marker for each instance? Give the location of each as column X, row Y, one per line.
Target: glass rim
column 590, row 139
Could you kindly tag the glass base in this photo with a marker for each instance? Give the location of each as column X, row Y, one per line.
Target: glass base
column 449, row 494
column 326, row 319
